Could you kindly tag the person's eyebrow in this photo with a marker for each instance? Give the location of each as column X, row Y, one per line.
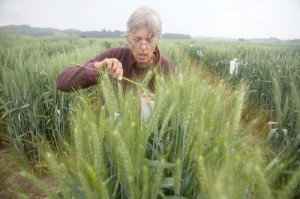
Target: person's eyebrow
column 140, row 37
column 137, row 37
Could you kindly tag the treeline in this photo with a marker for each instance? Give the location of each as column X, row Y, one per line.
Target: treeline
column 176, row 36
column 40, row 32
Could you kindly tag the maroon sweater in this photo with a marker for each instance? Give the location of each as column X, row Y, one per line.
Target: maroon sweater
column 78, row 77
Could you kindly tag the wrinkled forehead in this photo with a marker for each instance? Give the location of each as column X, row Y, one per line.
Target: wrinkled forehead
column 148, row 30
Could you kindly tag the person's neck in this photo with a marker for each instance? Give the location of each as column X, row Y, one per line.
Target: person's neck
column 141, row 70
column 145, row 67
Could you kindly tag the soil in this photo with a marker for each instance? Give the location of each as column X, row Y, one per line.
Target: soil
column 11, row 182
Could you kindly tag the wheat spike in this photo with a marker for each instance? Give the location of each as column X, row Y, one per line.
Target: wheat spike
column 111, row 102
column 263, row 187
column 156, row 114
column 41, row 185
column 145, row 183
column 87, row 190
column 277, row 98
column 296, row 101
column 177, row 177
column 97, row 183
column 125, row 165
column 202, row 177
column 60, row 173
column 156, row 179
column 289, row 189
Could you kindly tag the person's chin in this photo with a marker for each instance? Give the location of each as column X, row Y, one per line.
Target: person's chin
column 142, row 63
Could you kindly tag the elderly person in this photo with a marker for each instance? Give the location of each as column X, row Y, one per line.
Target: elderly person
column 143, row 33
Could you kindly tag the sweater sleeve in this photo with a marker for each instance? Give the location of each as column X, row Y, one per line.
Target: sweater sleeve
column 77, row 77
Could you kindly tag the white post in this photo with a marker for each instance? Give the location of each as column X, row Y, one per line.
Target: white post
column 233, row 66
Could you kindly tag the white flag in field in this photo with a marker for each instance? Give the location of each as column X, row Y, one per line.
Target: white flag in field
column 233, row 67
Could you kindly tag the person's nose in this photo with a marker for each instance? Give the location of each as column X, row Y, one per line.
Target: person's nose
column 143, row 45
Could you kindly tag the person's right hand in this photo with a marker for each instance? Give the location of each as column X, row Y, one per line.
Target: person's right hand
column 112, row 66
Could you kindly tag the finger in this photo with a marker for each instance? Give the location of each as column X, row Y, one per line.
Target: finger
column 121, row 75
column 116, row 62
column 118, row 73
column 114, row 67
column 109, row 64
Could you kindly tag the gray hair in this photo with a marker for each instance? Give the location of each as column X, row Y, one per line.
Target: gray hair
column 144, row 17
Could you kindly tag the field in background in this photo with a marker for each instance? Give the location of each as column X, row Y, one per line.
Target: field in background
column 272, row 72
column 197, row 142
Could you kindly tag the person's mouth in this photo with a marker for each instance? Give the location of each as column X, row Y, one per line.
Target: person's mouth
column 142, row 56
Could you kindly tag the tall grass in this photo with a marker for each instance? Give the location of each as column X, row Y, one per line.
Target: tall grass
column 272, row 72
column 191, row 146
column 31, row 107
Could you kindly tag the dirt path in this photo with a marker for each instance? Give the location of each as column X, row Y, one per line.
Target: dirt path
column 10, row 181
column 8, row 173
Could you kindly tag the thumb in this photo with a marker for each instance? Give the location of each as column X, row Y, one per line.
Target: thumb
column 120, row 76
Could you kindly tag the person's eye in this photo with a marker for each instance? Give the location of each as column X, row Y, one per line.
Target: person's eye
column 151, row 41
column 136, row 40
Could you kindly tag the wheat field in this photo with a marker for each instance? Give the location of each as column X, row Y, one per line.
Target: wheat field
column 210, row 134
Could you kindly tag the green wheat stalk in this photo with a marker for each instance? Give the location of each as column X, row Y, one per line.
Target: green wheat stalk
column 289, row 189
column 125, row 164
column 177, row 176
column 277, row 96
column 40, row 184
column 97, row 183
column 202, row 175
column 296, row 101
column 156, row 180
column 145, row 183
column 60, row 174
column 263, row 186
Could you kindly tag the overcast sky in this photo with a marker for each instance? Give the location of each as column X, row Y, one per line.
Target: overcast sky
column 209, row 18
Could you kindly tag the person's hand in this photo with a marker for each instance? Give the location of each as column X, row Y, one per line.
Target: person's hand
column 112, row 66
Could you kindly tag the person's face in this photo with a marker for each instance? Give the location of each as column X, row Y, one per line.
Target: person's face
column 142, row 45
